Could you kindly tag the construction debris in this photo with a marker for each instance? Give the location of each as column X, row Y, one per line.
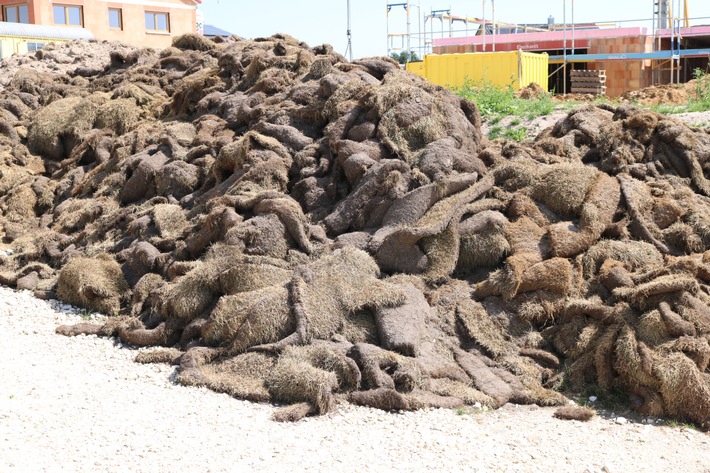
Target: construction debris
column 289, row 226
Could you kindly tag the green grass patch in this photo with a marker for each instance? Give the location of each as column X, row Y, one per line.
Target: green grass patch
column 496, row 131
column 681, row 425
column 516, row 133
column 497, row 102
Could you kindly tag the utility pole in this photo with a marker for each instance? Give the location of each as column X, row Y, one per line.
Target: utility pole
column 349, row 49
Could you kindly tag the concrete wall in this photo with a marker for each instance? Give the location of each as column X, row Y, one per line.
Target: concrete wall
column 182, row 18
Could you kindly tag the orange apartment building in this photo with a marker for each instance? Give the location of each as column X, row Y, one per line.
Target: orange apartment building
column 151, row 23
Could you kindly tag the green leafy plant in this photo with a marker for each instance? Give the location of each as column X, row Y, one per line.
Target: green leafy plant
column 699, row 100
column 497, row 102
column 516, row 133
column 702, row 84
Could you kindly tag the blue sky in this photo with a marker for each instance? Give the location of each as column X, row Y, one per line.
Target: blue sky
column 325, row 21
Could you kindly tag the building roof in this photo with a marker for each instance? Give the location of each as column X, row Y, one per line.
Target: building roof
column 211, row 31
column 43, row 31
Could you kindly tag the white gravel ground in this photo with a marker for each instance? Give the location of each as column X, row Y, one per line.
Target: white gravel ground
column 82, row 405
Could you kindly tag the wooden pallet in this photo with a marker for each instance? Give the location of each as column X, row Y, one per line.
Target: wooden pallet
column 589, row 90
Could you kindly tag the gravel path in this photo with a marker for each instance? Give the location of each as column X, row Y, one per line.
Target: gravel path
column 81, row 404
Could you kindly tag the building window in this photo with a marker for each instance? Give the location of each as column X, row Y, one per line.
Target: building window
column 32, row 46
column 16, row 14
column 157, row 21
column 115, row 18
column 71, row 15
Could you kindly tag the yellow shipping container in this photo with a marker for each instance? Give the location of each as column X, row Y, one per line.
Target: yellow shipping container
column 514, row 68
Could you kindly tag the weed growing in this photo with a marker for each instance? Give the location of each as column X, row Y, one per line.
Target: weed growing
column 699, row 100
column 497, row 102
column 516, row 133
column 681, row 425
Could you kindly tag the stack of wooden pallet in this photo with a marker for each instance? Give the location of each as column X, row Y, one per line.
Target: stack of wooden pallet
column 588, row 82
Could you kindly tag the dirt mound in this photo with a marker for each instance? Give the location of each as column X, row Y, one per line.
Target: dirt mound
column 672, row 94
column 575, row 97
column 531, row 91
column 294, row 227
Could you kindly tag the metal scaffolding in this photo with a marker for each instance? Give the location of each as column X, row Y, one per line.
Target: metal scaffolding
column 403, row 36
column 668, row 44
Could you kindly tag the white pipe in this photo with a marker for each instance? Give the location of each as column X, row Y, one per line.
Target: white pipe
column 572, row 26
column 409, row 37
column 350, row 45
column 431, row 29
column 493, row 6
column 483, row 7
column 388, row 32
column 419, row 32
column 564, row 45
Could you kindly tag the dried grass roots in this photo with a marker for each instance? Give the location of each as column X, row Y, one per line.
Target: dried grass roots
column 302, row 229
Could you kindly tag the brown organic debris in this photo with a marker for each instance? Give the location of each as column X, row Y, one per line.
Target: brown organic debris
column 292, row 227
column 581, row 413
